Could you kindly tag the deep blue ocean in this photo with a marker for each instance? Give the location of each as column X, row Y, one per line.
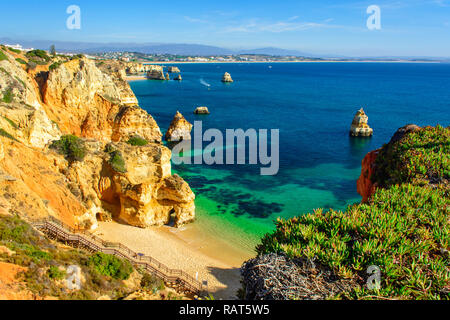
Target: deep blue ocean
column 312, row 104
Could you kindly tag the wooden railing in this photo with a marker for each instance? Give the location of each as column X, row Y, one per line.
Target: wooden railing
column 60, row 231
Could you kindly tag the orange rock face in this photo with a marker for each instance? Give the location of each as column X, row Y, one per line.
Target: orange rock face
column 33, row 186
column 366, row 188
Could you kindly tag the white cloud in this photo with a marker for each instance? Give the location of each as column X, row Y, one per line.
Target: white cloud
column 195, row 20
column 291, row 24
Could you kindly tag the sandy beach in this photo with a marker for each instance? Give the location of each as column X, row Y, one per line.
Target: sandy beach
column 188, row 249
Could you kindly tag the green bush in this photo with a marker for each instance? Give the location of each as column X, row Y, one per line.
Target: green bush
column 420, row 157
column 14, row 50
column 8, row 96
column 55, row 273
column 72, row 147
column 403, row 230
column 12, row 123
column 38, row 54
column 5, row 134
column 54, row 66
column 3, row 56
column 137, row 141
column 109, row 265
column 152, row 283
column 116, row 160
column 21, row 61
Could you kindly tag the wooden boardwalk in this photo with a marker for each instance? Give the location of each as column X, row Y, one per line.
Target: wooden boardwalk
column 82, row 239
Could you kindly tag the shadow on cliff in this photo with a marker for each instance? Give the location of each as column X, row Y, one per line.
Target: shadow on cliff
column 231, row 278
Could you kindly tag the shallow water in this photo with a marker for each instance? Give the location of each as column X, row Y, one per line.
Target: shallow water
column 313, row 105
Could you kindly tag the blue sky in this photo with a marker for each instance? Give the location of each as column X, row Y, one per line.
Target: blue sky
column 409, row 27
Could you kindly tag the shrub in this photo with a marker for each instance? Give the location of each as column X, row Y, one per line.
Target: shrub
column 38, row 54
column 54, row 66
column 12, row 123
column 8, row 96
column 3, row 56
column 404, row 231
column 21, row 61
column 137, row 141
column 14, row 50
column 150, row 282
column 5, row 134
column 420, row 157
column 72, row 147
column 55, row 273
column 109, row 265
column 116, row 159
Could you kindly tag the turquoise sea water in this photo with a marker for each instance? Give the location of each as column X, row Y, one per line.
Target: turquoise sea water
column 313, row 105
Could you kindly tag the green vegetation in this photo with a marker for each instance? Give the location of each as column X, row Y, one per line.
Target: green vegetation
column 116, row 160
column 54, row 66
column 8, row 96
column 15, row 50
column 5, row 134
column 420, row 158
column 111, row 266
column 53, row 50
column 56, row 273
column 12, row 123
column 4, row 71
column 21, row 61
column 3, row 56
column 72, row 147
column 403, row 230
column 152, row 283
column 137, row 141
column 38, row 54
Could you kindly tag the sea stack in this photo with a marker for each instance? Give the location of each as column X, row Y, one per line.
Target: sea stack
column 227, row 77
column 179, row 130
column 178, row 78
column 173, row 70
column 201, row 110
column 155, row 73
column 359, row 127
column 167, row 76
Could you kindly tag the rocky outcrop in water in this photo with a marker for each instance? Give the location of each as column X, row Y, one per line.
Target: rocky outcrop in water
column 178, row 78
column 174, row 70
column 156, row 73
column 227, row 77
column 201, row 110
column 179, row 130
column 359, row 127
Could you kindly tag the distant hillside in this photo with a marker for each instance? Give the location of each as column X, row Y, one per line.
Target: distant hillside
column 148, row 48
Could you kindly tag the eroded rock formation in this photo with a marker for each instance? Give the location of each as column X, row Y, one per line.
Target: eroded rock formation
column 156, row 73
column 174, row 70
column 359, row 127
column 114, row 179
column 201, row 110
column 227, row 77
column 179, row 130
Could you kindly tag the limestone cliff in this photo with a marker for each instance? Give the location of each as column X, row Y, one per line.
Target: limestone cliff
column 63, row 96
column 179, row 130
column 366, row 185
